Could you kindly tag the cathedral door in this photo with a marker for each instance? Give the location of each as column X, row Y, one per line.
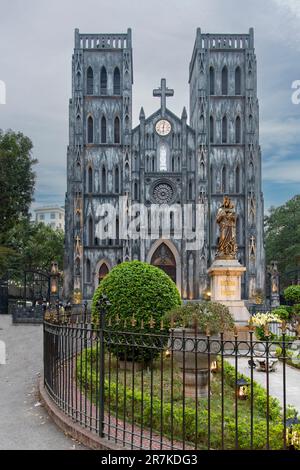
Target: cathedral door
column 164, row 259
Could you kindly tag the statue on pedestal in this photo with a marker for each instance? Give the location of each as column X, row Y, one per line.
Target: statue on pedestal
column 274, row 278
column 226, row 219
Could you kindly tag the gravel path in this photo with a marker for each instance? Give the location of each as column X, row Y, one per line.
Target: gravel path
column 24, row 424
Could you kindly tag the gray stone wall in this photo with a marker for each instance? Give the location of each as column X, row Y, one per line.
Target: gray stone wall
column 201, row 167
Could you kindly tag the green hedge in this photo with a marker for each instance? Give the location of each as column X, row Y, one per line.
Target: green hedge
column 185, row 418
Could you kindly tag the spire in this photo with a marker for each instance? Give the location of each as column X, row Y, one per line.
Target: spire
column 184, row 114
column 142, row 114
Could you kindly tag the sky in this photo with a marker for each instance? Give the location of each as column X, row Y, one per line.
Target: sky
column 36, row 45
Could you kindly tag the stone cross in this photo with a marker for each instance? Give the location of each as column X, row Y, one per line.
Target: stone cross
column 163, row 92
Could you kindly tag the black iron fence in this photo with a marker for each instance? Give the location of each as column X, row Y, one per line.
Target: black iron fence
column 171, row 389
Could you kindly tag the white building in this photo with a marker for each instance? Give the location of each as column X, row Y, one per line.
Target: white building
column 54, row 216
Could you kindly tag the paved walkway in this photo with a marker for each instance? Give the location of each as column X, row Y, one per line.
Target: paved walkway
column 275, row 381
column 24, row 424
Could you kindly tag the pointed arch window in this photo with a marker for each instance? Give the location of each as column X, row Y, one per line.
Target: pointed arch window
column 237, row 179
column 88, row 271
column 117, row 81
column 223, row 180
column 117, row 180
column 190, row 195
column 163, row 154
column 211, row 130
column 103, row 179
column 136, row 191
column 90, row 232
column 201, row 123
column 173, row 163
column 224, row 130
column 225, row 81
column 103, row 81
column 212, row 174
column 238, row 231
column 238, row 130
column 117, row 230
column 103, row 130
column 238, row 81
column 117, row 130
column 211, row 80
column 152, row 164
column 90, row 130
column 251, row 123
column 172, row 224
column 90, row 81
column 202, row 171
column 103, row 271
column 90, row 180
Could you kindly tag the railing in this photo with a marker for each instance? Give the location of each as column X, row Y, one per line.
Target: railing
column 171, row 389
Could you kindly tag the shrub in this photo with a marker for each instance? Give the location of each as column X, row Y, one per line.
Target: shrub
column 292, row 294
column 282, row 313
column 296, row 309
column 139, row 295
column 152, row 412
column 202, row 315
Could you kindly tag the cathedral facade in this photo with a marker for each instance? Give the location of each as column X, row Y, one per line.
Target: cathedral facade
column 166, row 168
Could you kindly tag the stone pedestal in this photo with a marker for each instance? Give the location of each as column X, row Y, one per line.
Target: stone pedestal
column 226, row 287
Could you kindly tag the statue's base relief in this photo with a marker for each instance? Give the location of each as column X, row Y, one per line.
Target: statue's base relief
column 225, row 277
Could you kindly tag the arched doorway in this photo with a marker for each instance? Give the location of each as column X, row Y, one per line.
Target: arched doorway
column 103, row 271
column 164, row 259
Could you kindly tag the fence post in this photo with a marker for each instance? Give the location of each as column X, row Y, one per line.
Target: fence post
column 102, row 304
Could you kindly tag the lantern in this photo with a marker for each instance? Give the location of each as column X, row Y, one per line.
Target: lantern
column 167, row 353
column 242, row 388
column 207, row 294
column 292, row 433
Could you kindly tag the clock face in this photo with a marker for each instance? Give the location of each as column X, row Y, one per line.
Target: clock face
column 163, row 127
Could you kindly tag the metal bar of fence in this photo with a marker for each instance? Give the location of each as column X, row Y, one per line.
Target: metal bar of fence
column 208, row 394
column 183, row 392
column 268, row 393
column 155, row 406
column 251, row 389
column 222, row 390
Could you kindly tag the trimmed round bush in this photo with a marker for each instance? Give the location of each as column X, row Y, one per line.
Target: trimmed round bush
column 292, row 294
column 139, row 293
column 282, row 313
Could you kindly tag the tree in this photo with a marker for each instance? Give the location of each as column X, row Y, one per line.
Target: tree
column 282, row 235
column 34, row 246
column 17, row 179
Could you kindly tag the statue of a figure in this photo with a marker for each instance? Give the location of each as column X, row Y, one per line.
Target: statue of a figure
column 226, row 219
column 273, row 269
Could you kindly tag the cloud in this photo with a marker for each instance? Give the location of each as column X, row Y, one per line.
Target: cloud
column 36, row 45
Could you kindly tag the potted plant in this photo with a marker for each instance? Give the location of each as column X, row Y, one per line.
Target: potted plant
column 260, row 321
column 194, row 340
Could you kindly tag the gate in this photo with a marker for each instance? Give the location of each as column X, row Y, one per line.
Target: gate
column 3, row 296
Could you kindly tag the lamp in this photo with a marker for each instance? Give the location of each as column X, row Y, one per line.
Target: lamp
column 242, row 388
column 207, row 294
column 292, row 434
column 167, row 353
column 214, row 366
